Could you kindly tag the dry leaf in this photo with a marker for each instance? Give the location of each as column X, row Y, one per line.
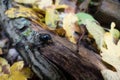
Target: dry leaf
column 57, row 5
column 60, row 32
column 93, row 28
column 43, row 4
column 26, row 1
column 69, row 26
column 4, row 77
column 39, row 4
column 27, row 72
column 3, row 62
column 115, row 33
column 111, row 55
column 29, row 13
column 17, row 72
column 22, row 11
column 51, row 18
column 17, row 66
column 110, row 75
column 52, row 15
column 17, row 75
column 4, row 66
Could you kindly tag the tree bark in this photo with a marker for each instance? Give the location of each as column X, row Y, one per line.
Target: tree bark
column 56, row 61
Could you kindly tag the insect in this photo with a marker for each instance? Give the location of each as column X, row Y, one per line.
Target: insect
column 31, row 36
column 45, row 38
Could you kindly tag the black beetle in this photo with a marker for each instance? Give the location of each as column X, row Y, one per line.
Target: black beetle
column 45, row 38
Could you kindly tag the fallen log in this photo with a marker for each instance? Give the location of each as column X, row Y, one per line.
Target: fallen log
column 56, row 61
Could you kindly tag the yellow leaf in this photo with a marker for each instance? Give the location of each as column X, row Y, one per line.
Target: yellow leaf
column 4, row 69
column 33, row 14
column 17, row 66
column 4, row 77
column 115, row 33
column 27, row 72
column 22, row 11
column 17, row 75
column 111, row 55
column 4, row 66
column 61, row 6
column 17, row 69
column 3, row 61
column 17, row 72
column 96, row 31
column 92, row 26
column 69, row 26
column 26, row 1
column 110, row 75
column 60, row 32
column 51, row 18
column 43, row 4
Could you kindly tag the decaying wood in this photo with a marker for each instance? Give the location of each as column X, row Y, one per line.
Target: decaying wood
column 64, row 54
column 53, row 61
